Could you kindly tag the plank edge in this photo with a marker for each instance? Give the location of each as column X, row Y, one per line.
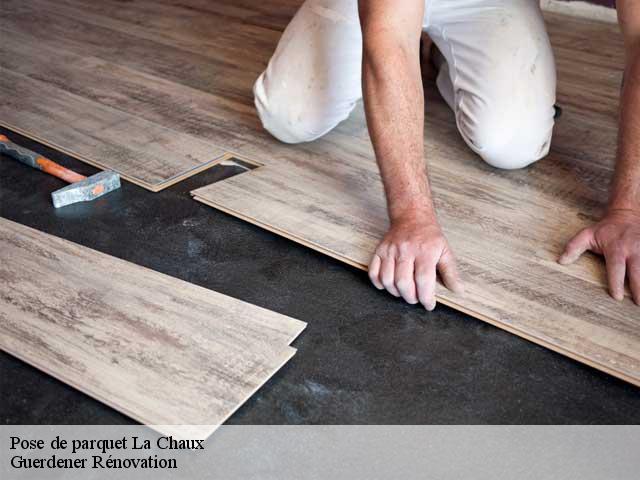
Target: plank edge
column 155, row 187
column 452, row 304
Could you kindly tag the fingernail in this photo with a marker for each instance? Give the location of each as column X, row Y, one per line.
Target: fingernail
column 430, row 306
column 617, row 295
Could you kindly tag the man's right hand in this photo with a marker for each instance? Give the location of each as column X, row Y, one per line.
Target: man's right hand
column 407, row 259
column 414, row 248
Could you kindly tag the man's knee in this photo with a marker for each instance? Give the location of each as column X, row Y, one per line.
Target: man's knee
column 518, row 149
column 508, row 140
column 287, row 119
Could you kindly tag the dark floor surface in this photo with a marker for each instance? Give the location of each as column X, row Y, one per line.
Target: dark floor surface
column 365, row 356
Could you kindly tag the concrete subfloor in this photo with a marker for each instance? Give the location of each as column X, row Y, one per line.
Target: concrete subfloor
column 365, row 357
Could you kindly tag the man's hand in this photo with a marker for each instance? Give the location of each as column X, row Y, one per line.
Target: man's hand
column 617, row 237
column 406, row 261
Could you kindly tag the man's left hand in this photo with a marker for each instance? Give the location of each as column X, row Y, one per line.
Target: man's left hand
column 617, row 237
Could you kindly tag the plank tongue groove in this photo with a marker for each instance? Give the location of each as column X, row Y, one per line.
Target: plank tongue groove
column 108, row 135
column 507, row 228
column 158, row 349
column 140, row 151
column 188, row 68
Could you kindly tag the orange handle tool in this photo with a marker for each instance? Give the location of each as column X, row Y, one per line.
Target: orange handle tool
column 38, row 162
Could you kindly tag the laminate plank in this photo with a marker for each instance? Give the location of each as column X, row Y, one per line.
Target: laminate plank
column 75, row 32
column 155, row 100
column 144, row 152
column 189, row 68
column 161, row 350
column 507, row 228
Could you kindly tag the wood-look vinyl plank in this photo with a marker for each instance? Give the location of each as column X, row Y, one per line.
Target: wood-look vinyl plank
column 155, row 100
column 143, row 152
column 507, row 228
column 163, row 351
column 189, row 67
column 198, row 67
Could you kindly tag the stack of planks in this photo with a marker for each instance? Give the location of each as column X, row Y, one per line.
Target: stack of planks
column 177, row 78
column 167, row 353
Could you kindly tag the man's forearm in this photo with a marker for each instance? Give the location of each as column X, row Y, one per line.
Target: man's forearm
column 394, row 103
column 625, row 190
column 617, row 235
column 414, row 248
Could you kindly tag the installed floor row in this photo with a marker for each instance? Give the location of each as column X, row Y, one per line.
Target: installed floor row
column 189, row 69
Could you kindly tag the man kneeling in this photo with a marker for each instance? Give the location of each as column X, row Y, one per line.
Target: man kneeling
column 498, row 76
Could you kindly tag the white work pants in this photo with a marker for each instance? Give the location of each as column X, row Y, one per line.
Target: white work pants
column 499, row 77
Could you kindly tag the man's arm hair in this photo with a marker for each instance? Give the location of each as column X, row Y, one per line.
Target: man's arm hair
column 394, row 100
column 617, row 235
column 414, row 248
column 625, row 192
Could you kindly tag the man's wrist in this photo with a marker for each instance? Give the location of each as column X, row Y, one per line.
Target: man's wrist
column 413, row 211
column 624, row 203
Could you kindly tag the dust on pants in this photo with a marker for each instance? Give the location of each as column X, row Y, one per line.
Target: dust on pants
column 499, row 77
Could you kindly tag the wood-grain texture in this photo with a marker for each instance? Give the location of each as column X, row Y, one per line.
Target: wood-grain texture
column 189, row 67
column 507, row 228
column 163, row 351
column 45, row 98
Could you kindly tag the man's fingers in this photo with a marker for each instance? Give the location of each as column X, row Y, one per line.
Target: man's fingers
column 425, row 278
column 633, row 272
column 388, row 275
column 404, row 281
column 374, row 271
column 616, row 268
column 579, row 244
column 449, row 273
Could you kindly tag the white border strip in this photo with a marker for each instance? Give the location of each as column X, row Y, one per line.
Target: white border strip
column 580, row 9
